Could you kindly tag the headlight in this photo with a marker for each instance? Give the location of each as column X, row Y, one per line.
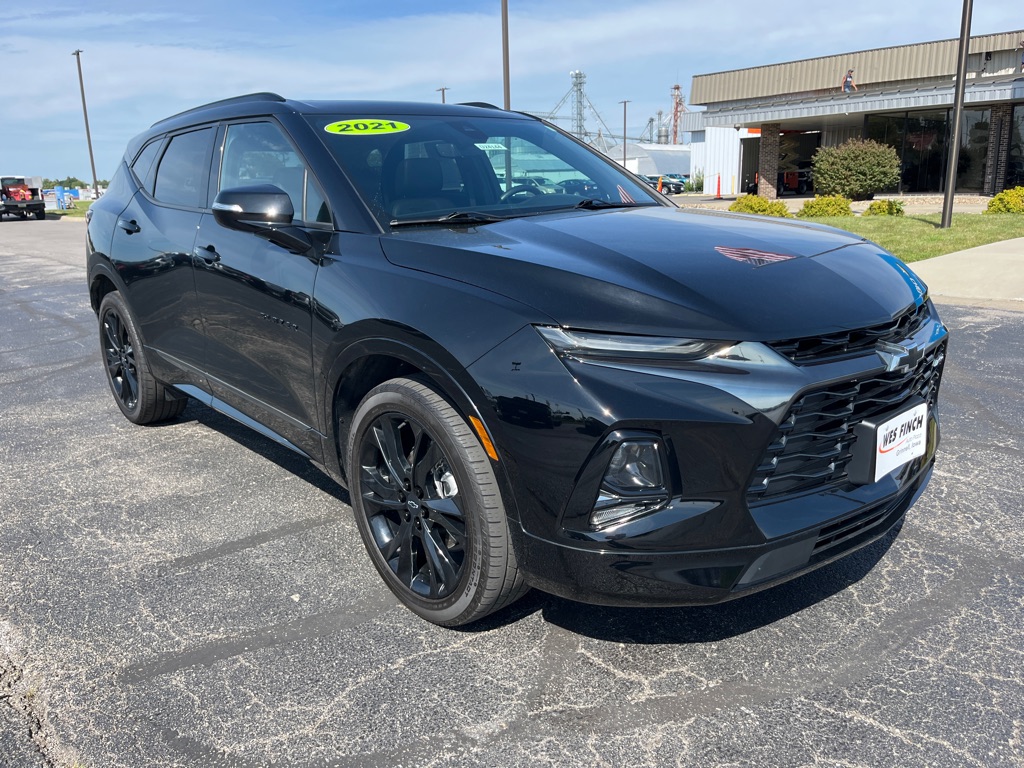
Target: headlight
column 616, row 346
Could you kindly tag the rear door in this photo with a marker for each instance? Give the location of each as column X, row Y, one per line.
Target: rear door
column 152, row 251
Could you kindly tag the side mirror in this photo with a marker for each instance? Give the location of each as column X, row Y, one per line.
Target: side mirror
column 247, row 208
column 264, row 210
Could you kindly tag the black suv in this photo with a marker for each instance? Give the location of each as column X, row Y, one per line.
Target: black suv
column 595, row 393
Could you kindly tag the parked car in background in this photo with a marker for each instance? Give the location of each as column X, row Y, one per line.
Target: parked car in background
column 578, row 186
column 593, row 393
column 540, row 184
column 668, row 185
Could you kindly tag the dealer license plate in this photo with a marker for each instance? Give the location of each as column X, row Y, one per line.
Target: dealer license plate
column 901, row 439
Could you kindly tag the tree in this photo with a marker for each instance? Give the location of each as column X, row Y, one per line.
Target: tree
column 70, row 181
column 856, row 169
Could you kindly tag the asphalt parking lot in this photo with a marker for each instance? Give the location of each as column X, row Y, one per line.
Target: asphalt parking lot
column 194, row 595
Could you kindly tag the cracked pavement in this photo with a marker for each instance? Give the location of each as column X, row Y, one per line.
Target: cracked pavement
column 193, row 594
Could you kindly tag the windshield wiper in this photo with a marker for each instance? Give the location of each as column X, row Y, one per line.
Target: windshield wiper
column 456, row 217
column 593, row 202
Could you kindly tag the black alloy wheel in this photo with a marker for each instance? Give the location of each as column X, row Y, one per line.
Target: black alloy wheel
column 428, row 507
column 141, row 398
column 413, row 506
column 119, row 352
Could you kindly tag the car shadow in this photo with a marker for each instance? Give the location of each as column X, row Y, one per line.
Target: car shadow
column 696, row 624
column 252, row 440
column 640, row 626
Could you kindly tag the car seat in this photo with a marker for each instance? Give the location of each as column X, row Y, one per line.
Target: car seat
column 417, row 187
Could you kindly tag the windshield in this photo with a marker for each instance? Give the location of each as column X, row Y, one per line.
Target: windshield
column 424, row 168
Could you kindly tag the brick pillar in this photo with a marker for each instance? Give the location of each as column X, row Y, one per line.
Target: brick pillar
column 1000, row 127
column 768, row 160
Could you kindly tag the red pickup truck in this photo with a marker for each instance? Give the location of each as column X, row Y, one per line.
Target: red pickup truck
column 20, row 199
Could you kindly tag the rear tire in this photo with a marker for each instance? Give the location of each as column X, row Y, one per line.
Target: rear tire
column 141, row 398
column 41, row 214
column 428, row 506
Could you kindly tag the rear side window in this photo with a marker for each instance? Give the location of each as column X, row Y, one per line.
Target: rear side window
column 144, row 166
column 183, row 173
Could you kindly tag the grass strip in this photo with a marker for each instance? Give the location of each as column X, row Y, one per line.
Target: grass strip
column 918, row 236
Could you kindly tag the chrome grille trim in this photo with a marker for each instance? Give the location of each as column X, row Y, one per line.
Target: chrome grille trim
column 821, row 349
column 812, row 445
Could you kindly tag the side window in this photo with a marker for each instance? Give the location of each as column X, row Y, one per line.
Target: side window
column 143, row 165
column 182, row 174
column 259, row 153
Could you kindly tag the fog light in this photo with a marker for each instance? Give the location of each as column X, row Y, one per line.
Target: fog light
column 633, row 484
column 610, row 509
column 634, row 467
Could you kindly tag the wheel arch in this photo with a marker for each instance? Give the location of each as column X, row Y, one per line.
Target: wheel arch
column 365, row 363
column 101, row 282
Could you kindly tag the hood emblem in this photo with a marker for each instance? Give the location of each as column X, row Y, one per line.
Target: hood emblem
column 898, row 358
column 753, row 256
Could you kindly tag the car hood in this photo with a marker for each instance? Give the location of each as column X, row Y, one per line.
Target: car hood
column 671, row 272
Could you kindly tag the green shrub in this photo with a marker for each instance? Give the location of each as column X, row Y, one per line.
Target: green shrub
column 884, row 208
column 695, row 183
column 760, row 206
column 825, row 206
column 1007, row 201
column 856, row 169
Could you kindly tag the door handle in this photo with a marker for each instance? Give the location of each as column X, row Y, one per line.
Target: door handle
column 207, row 253
column 129, row 226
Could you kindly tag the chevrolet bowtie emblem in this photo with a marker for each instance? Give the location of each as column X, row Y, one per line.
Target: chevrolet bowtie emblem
column 898, row 358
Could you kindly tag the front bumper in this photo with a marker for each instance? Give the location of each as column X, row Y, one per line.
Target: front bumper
column 624, row 577
column 753, row 500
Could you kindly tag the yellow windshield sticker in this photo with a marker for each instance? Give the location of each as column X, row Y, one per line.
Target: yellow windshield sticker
column 362, row 126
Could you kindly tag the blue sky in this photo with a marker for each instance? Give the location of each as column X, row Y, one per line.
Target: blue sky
column 144, row 61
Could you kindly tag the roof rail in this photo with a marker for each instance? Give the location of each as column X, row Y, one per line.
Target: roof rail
column 260, row 96
column 482, row 104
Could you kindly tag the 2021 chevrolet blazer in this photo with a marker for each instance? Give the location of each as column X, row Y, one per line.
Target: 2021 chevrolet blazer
column 593, row 392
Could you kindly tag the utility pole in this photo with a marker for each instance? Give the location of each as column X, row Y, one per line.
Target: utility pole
column 958, row 109
column 442, row 89
column 624, row 103
column 504, row 53
column 77, row 53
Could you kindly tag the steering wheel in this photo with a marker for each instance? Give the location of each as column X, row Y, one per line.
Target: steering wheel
column 519, row 190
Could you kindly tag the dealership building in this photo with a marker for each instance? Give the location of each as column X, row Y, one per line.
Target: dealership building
column 765, row 123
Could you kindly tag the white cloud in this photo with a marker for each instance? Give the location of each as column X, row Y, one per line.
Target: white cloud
column 141, row 66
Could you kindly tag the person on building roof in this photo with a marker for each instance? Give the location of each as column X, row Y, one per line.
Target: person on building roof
column 848, row 84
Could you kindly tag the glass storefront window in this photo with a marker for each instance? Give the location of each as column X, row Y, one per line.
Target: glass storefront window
column 924, row 152
column 887, row 129
column 973, row 157
column 921, row 139
column 1015, row 161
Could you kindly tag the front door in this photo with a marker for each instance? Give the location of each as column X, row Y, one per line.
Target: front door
column 256, row 297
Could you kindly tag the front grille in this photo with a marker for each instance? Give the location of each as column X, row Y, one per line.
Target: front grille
column 839, row 533
column 834, row 346
column 812, row 446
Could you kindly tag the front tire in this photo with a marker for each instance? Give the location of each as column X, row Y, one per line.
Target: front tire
column 428, row 506
column 141, row 398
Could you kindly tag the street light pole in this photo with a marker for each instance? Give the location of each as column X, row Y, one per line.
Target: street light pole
column 958, row 109
column 504, row 53
column 77, row 53
column 624, row 103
